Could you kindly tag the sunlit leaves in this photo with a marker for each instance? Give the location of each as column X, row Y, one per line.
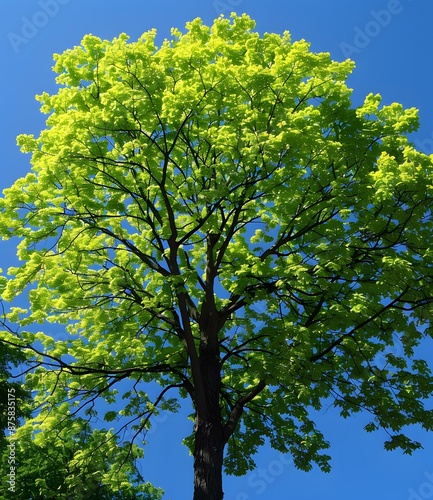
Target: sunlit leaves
column 226, row 170
column 77, row 461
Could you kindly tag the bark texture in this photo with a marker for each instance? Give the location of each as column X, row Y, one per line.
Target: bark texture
column 209, row 432
column 208, row 461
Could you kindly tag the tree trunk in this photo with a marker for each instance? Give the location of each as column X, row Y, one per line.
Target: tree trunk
column 209, row 435
column 208, row 461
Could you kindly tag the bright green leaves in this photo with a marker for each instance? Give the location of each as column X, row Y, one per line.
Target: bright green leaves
column 370, row 106
column 78, row 65
column 76, row 461
column 406, row 168
column 386, row 176
column 224, row 185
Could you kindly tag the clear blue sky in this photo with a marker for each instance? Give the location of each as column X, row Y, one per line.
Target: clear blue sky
column 392, row 44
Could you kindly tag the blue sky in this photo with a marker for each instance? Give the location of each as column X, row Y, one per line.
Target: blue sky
column 392, row 46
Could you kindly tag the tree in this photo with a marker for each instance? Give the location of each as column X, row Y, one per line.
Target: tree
column 214, row 215
column 75, row 463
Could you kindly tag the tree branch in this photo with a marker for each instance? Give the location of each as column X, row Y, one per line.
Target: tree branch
column 238, row 409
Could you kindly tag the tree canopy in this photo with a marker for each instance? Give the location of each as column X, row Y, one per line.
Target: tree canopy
column 74, row 461
column 216, row 216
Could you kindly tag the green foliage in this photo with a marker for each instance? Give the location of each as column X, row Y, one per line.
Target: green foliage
column 222, row 190
column 74, row 461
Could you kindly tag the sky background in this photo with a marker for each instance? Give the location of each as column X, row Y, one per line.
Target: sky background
column 391, row 43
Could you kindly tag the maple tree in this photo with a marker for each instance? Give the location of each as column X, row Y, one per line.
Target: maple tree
column 214, row 215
